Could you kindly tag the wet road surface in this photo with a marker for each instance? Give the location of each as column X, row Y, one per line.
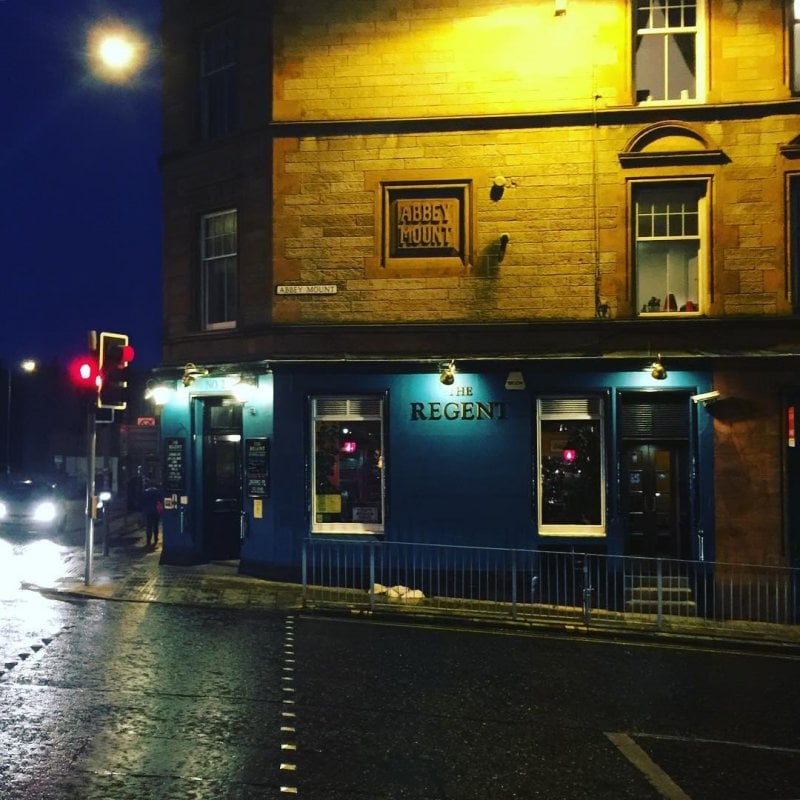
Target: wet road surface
column 143, row 700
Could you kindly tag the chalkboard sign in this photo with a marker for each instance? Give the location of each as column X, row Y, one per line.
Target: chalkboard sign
column 175, row 466
column 256, row 467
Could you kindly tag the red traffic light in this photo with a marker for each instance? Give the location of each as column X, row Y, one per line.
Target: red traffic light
column 116, row 353
column 85, row 373
column 127, row 353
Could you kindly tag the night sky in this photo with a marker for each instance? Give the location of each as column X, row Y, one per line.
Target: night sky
column 80, row 226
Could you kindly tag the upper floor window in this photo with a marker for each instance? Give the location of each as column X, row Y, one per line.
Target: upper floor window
column 669, row 228
column 218, row 280
column 794, row 241
column 795, row 45
column 218, row 62
column 668, row 60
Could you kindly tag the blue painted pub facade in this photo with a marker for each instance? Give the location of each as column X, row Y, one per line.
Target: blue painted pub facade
column 502, row 457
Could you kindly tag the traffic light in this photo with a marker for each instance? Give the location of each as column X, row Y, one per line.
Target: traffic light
column 115, row 355
column 84, row 374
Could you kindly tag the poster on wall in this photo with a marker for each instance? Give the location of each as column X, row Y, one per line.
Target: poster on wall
column 256, row 466
column 174, row 465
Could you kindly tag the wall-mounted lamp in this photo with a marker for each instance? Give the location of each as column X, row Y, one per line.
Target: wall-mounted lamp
column 191, row 373
column 499, row 183
column 245, row 390
column 447, row 372
column 561, row 8
column 657, row 370
column 158, row 393
column 706, row 397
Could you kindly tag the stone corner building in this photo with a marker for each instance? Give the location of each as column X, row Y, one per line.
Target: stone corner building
column 491, row 274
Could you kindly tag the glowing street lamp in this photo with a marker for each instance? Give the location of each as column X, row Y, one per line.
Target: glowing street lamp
column 117, row 51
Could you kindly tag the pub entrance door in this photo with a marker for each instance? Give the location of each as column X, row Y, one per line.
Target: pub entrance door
column 222, row 478
column 652, row 500
column 655, row 446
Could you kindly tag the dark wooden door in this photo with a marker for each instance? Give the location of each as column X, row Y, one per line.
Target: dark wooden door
column 222, row 472
column 652, row 500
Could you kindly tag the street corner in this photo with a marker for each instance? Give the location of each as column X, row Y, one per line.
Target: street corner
column 74, row 591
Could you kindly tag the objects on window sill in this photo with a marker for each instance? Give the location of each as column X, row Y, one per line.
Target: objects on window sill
column 653, row 306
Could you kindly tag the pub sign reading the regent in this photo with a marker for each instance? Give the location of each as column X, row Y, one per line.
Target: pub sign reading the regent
column 426, row 222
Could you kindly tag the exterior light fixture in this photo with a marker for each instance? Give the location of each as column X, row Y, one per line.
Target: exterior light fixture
column 191, row 373
column 657, row 370
column 447, row 373
column 158, row 393
column 706, row 397
column 245, row 390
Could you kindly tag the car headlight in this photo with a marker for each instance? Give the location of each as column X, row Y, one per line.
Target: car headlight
column 3, row 510
column 45, row 511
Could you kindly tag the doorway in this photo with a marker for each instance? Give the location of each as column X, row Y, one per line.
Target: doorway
column 222, row 478
column 652, row 493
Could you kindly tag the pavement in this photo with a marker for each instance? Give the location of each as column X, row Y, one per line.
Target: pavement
column 131, row 572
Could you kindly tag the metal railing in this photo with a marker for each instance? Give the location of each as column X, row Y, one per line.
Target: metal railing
column 573, row 587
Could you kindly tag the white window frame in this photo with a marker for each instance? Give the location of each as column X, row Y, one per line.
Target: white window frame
column 347, row 408
column 666, row 32
column 703, row 186
column 794, row 46
column 577, row 408
column 212, row 253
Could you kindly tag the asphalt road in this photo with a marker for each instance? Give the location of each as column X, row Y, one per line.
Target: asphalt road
column 137, row 700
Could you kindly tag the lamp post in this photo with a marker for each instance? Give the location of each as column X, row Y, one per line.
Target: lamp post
column 28, row 365
column 117, row 53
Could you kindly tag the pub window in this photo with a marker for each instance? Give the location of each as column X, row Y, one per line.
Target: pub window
column 571, row 472
column 668, row 64
column 347, row 465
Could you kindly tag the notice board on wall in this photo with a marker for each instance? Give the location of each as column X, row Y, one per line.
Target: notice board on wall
column 174, row 465
column 256, row 466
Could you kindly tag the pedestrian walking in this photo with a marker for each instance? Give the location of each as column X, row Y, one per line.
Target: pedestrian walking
column 153, row 506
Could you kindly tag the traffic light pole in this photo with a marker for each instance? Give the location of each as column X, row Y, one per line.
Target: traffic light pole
column 91, row 440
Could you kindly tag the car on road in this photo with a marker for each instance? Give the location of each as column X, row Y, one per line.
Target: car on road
column 31, row 505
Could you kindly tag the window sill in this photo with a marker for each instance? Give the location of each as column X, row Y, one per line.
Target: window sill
column 668, row 314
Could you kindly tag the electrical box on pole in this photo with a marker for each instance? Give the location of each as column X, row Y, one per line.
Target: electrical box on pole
column 115, row 353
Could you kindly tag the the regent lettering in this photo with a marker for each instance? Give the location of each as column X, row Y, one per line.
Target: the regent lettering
column 427, row 223
column 466, row 410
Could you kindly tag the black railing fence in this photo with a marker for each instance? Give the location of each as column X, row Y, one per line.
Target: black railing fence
column 578, row 587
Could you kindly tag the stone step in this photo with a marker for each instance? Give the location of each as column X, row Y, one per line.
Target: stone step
column 635, row 581
column 680, row 608
column 650, row 593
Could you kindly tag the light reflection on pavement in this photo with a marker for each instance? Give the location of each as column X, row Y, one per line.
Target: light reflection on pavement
column 27, row 618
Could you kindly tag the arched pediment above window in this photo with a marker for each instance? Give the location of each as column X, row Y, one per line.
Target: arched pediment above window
column 669, row 144
column 791, row 150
